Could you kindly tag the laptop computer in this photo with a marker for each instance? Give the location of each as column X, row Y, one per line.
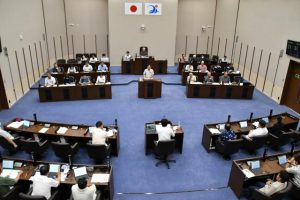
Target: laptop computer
column 53, row 170
column 221, row 127
column 266, row 119
column 7, row 164
column 8, row 169
column 26, row 124
column 243, row 125
column 150, row 128
column 80, row 172
column 282, row 160
column 255, row 167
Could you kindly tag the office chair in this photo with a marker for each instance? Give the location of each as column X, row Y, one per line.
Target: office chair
column 86, row 55
column 34, row 148
column 72, row 61
column 13, row 194
column 99, row 152
column 8, row 146
column 258, row 195
column 251, row 145
column 28, row 196
column 284, row 138
column 295, row 191
column 146, row 50
column 227, row 148
column 296, row 136
column 163, row 149
column 65, row 150
column 61, row 61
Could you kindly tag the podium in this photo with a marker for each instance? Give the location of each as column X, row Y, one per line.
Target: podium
column 149, row 88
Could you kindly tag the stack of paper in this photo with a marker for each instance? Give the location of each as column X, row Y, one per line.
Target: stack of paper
column 248, row 173
column 214, row 131
column 43, row 130
column 16, row 124
column 100, row 178
column 62, row 130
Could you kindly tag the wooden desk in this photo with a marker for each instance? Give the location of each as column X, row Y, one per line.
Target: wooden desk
column 219, row 91
column 150, row 137
column 93, row 75
column 28, row 169
column 181, row 66
column 238, row 180
column 200, row 76
column 138, row 66
column 149, row 88
column 79, row 135
column 80, row 66
column 209, row 139
column 77, row 92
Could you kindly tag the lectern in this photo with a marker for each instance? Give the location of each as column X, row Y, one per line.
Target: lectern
column 149, row 88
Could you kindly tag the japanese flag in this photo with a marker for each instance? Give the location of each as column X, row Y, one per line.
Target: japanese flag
column 133, row 8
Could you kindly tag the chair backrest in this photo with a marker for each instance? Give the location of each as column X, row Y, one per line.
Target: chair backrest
column 165, row 147
column 62, row 149
column 285, row 138
column 72, row 61
column 79, row 55
column 61, row 61
column 295, row 191
column 29, row 145
column 29, row 197
column 257, row 142
column 98, row 152
column 231, row 146
column 282, row 193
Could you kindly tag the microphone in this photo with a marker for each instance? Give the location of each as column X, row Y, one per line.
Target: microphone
column 251, row 116
column 34, row 117
column 292, row 149
column 228, row 118
column 271, row 113
column 265, row 154
column 116, row 122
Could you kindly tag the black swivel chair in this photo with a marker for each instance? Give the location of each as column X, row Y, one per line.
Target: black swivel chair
column 33, row 147
column 65, row 150
column 251, row 145
column 99, row 152
column 275, row 142
column 281, row 195
column 13, row 194
column 295, row 192
column 163, row 149
column 28, row 196
column 61, row 61
column 227, row 148
column 143, row 53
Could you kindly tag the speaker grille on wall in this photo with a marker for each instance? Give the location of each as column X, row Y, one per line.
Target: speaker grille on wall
column 0, row 46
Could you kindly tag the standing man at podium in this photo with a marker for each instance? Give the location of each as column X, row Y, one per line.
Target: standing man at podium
column 148, row 73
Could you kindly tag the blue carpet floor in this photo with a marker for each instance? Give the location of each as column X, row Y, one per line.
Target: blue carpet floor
column 196, row 173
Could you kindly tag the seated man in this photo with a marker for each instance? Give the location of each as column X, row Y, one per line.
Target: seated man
column 208, row 78
column 87, row 67
column 191, row 78
column 49, row 80
column 6, row 183
column 57, row 69
column 165, row 131
column 193, row 59
column 72, row 69
column 8, row 137
column 93, row 59
column 144, row 52
column 104, row 58
column 82, row 190
column 225, row 60
column 277, row 128
column 216, row 68
column 84, row 80
column 127, row 56
column 41, row 184
column 202, row 67
column 261, row 130
column 102, row 67
column 293, row 167
column 99, row 135
column 69, row 79
column 101, row 79
column 84, row 59
column 227, row 134
column 148, row 73
column 225, row 78
column 189, row 68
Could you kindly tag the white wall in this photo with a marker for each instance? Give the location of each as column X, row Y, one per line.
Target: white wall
column 159, row 36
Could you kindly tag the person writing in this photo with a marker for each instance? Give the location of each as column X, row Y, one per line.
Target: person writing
column 72, row 69
column 49, row 80
column 84, row 80
column 148, row 73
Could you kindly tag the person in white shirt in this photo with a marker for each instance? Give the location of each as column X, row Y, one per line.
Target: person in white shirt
column 99, row 135
column 127, row 56
column 191, row 78
column 261, row 130
column 84, row 59
column 83, row 191
column 148, row 73
column 72, row 69
column 6, row 135
column 293, row 167
column 101, row 79
column 165, row 131
column 87, row 67
column 102, row 67
column 225, row 60
column 50, row 80
column 93, row 59
column 104, row 58
column 41, row 183
column 189, row 68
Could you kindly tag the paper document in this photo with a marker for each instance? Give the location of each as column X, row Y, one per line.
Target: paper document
column 62, row 130
column 43, row 130
column 11, row 173
column 215, row 131
column 16, row 124
column 100, row 178
column 248, row 173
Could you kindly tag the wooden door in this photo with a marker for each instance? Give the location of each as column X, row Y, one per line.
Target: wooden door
column 291, row 90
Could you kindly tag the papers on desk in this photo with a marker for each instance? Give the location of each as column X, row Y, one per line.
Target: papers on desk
column 62, row 130
column 108, row 83
column 100, row 178
column 248, row 173
column 74, row 127
column 215, row 131
column 10, row 173
column 16, row 124
column 215, row 83
column 43, row 130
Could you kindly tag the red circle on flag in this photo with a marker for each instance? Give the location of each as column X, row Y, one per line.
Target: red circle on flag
column 133, row 8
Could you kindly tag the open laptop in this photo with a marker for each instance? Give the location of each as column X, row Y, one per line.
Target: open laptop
column 221, row 127
column 266, row 119
column 80, row 172
column 26, row 124
column 7, row 164
column 8, row 169
column 282, row 160
column 255, row 167
column 53, row 170
column 243, row 125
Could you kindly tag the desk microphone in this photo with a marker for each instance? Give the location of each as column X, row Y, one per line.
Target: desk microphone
column 265, row 154
column 271, row 113
column 228, row 118
column 116, row 122
column 251, row 116
column 34, row 117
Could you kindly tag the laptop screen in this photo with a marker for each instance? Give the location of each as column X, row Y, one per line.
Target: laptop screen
column 243, row 124
column 26, row 123
column 221, row 127
column 7, row 164
column 54, row 168
column 266, row 119
column 255, row 164
column 282, row 159
column 80, row 171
